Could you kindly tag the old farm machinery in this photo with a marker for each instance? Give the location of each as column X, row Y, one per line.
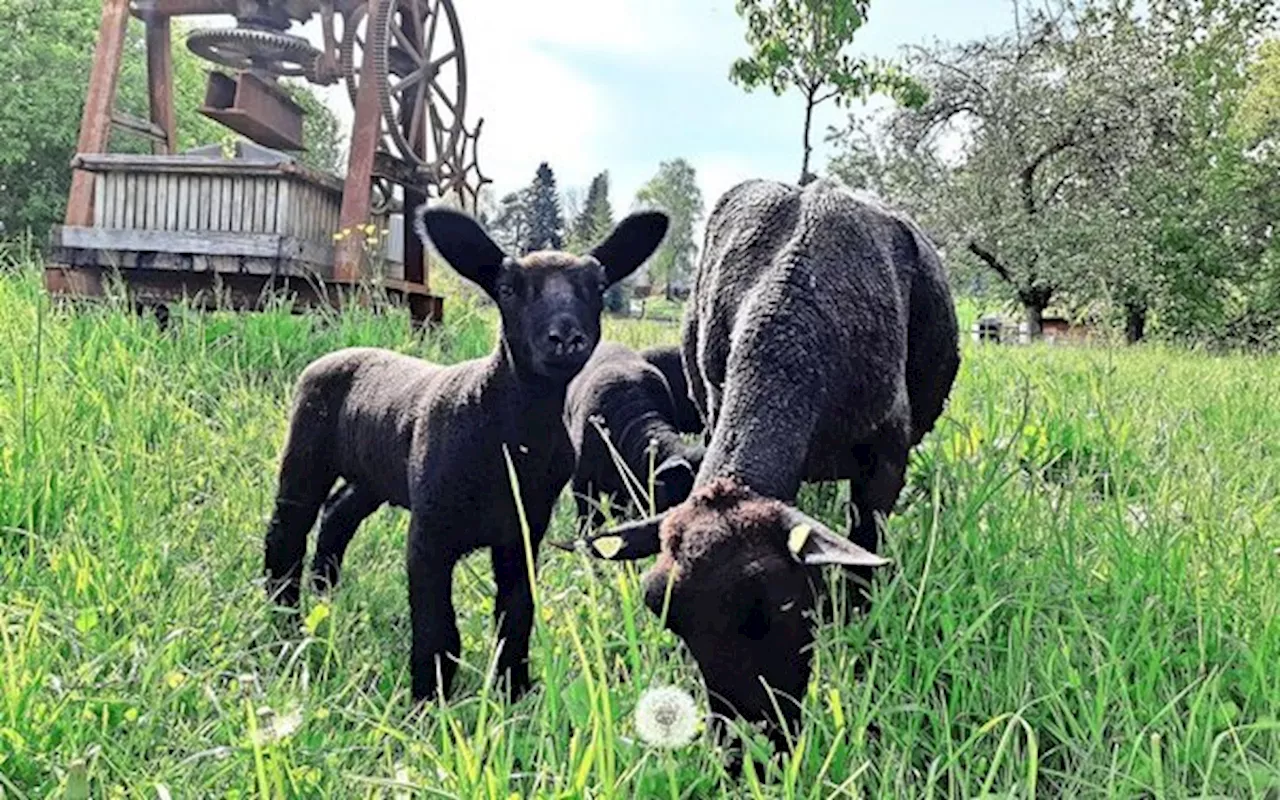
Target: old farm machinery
column 229, row 226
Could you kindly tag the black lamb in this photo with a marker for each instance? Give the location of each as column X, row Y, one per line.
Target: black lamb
column 822, row 344
column 670, row 361
column 431, row 439
column 629, row 397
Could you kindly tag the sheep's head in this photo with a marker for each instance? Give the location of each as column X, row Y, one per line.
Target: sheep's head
column 550, row 301
column 739, row 571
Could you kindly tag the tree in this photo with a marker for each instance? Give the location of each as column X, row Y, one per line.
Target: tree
column 674, row 190
column 592, row 223
column 800, row 44
column 546, row 224
column 512, row 222
column 1045, row 119
column 44, row 73
column 595, row 219
column 320, row 131
column 1089, row 157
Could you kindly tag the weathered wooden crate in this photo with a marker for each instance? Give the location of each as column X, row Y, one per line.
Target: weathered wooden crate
column 178, row 225
column 202, row 212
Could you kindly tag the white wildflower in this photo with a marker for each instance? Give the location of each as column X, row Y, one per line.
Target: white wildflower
column 666, row 716
column 276, row 727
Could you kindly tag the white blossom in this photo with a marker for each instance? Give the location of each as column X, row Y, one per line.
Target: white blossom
column 666, row 716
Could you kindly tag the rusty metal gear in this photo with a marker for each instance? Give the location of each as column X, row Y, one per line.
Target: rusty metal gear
column 253, row 49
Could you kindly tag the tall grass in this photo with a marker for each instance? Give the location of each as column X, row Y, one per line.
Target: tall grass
column 1083, row 600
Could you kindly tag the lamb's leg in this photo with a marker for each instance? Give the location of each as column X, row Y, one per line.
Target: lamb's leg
column 304, row 482
column 513, row 614
column 436, row 642
column 342, row 514
column 871, row 500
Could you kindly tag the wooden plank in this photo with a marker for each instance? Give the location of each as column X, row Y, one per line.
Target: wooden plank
column 249, row 245
column 141, row 127
column 237, row 205
column 260, row 204
column 99, row 200
column 211, row 165
column 224, row 204
column 160, row 81
column 149, row 202
column 100, row 99
column 117, row 199
column 162, row 202
column 356, row 188
column 271, row 197
column 171, row 206
column 183, row 190
column 130, row 201
column 284, row 199
column 204, row 222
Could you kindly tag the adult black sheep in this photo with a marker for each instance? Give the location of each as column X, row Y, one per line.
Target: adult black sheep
column 821, row 344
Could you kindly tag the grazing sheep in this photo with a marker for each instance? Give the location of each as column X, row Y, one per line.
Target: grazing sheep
column 671, row 362
column 430, row 439
column 822, row 345
column 630, row 398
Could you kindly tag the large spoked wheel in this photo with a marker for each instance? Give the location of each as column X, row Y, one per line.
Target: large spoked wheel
column 355, row 24
column 421, row 71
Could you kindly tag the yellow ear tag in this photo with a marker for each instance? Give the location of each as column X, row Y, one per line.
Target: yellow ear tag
column 608, row 546
column 798, row 536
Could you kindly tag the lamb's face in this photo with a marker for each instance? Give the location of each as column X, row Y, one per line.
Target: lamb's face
column 739, row 600
column 550, row 305
column 550, row 301
column 736, row 576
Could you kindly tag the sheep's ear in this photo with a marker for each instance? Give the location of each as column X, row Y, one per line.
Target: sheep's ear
column 814, row 544
column 630, row 243
column 462, row 242
column 627, row 542
column 675, row 477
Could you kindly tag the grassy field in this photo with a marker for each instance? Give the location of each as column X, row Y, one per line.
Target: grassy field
column 1083, row 603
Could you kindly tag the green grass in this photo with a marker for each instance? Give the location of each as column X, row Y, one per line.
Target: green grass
column 1083, row 603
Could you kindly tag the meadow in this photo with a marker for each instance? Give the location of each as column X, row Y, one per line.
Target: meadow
column 1083, row 601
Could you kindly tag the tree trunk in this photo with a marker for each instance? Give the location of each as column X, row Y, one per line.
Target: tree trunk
column 1135, row 322
column 1035, row 319
column 807, row 177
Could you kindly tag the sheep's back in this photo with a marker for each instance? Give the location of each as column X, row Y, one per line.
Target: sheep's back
column 818, row 288
column 372, row 400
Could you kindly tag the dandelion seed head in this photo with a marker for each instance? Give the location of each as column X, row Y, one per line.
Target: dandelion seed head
column 666, row 716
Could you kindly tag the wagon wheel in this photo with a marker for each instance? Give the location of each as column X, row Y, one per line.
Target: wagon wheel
column 422, row 77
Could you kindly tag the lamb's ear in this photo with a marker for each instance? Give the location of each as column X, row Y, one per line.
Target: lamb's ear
column 674, row 477
column 462, row 242
column 627, row 542
column 630, row 243
column 814, row 544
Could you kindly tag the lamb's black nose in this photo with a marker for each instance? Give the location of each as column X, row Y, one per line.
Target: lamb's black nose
column 566, row 338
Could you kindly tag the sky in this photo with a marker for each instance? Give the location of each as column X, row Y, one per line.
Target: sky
column 623, row 85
